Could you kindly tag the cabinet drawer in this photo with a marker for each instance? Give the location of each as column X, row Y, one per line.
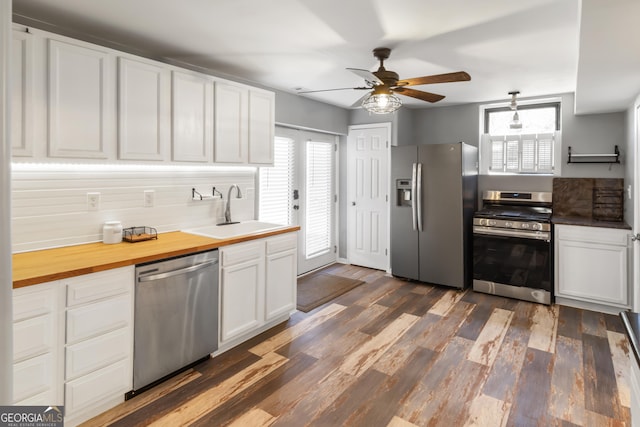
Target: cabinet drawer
column 96, row 286
column 241, row 252
column 32, row 337
column 95, row 319
column 98, row 386
column 34, row 301
column 607, row 236
column 281, row 243
column 98, row 352
column 33, row 376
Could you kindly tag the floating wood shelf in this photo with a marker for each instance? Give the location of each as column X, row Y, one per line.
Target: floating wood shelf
column 595, row 158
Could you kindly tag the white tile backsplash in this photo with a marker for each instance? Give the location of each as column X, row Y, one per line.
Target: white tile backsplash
column 49, row 208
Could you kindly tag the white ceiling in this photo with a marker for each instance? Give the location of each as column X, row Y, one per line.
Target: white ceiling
column 542, row 47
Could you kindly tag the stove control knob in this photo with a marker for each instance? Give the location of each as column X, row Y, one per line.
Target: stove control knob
column 525, row 225
column 483, row 222
column 492, row 222
column 508, row 224
column 536, row 226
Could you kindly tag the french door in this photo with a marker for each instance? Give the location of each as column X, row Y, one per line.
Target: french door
column 300, row 190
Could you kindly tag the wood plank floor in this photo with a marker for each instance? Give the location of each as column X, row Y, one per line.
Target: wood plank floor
column 397, row 353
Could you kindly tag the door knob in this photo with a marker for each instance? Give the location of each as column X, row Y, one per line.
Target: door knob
column 635, row 237
column 353, row 203
column 296, row 207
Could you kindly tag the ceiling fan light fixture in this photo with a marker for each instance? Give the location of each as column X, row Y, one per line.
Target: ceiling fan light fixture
column 381, row 103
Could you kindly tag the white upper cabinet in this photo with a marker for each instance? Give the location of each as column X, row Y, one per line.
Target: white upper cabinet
column 232, row 133
column 22, row 93
column 143, row 109
column 192, row 119
column 244, row 124
column 261, row 126
column 80, row 100
column 74, row 100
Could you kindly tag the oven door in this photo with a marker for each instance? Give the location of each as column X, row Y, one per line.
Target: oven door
column 513, row 258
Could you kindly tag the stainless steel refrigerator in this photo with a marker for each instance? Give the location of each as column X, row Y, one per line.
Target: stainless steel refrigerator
column 434, row 198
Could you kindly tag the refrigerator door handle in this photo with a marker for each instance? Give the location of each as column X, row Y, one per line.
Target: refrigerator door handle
column 418, row 197
column 414, row 175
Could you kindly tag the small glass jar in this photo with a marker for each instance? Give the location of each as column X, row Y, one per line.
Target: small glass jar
column 112, row 232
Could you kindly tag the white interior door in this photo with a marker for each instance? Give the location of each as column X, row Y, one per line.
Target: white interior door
column 300, row 190
column 368, row 195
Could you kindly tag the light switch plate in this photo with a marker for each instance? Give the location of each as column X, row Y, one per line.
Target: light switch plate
column 149, row 198
column 93, row 201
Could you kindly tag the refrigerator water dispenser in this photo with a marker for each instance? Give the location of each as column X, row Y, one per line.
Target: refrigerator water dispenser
column 403, row 190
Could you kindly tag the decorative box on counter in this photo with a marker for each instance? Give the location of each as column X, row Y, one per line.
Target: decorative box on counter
column 139, row 234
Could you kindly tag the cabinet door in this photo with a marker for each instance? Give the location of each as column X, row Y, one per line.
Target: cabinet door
column 261, row 127
column 143, row 110
column 80, row 100
column 192, row 117
column 231, row 132
column 241, row 288
column 35, row 376
column 21, row 95
column 280, row 288
column 590, row 271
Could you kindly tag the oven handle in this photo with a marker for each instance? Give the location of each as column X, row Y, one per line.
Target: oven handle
column 414, row 202
column 489, row 231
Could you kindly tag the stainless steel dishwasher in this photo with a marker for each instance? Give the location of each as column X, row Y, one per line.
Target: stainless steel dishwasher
column 176, row 317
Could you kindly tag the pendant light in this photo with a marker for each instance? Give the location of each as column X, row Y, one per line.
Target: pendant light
column 515, row 123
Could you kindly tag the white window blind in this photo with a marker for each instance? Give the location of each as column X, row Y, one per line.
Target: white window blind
column 276, row 184
column 318, row 193
column 531, row 153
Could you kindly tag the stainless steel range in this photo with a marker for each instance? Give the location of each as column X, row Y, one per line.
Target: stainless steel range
column 512, row 246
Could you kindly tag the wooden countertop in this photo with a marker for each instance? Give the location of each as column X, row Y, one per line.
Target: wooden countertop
column 31, row 268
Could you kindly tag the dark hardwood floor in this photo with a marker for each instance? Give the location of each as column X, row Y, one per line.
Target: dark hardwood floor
column 397, row 353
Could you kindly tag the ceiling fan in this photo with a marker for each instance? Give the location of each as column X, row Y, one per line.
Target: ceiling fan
column 384, row 84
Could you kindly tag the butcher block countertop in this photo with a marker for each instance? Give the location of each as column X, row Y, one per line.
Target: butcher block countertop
column 31, row 268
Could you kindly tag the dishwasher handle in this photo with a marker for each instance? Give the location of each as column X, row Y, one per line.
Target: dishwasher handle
column 177, row 272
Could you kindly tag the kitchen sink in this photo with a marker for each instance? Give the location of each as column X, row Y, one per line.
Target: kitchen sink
column 227, row 231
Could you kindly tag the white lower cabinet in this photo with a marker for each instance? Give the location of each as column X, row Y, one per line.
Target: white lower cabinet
column 241, row 289
column 37, row 368
column 257, row 286
column 591, row 265
column 99, row 342
column 281, row 276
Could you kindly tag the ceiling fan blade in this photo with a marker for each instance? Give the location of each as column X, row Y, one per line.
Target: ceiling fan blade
column 367, row 75
column 459, row 76
column 358, row 103
column 418, row 94
column 329, row 90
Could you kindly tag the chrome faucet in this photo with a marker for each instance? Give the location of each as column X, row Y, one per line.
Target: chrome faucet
column 227, row 210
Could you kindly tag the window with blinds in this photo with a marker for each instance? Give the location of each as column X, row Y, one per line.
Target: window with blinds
column 318, row 193
column 530, row 150
column 275, row 201
column 532, row 154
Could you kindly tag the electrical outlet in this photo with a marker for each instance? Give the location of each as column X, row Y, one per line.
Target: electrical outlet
column 93, row 201
column 149, row 198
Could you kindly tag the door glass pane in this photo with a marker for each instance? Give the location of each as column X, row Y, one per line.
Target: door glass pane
column 318, row 198
column 276, row 185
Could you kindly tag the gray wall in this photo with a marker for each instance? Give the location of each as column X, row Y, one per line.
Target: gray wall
column 593, row 133
column 297, row 111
